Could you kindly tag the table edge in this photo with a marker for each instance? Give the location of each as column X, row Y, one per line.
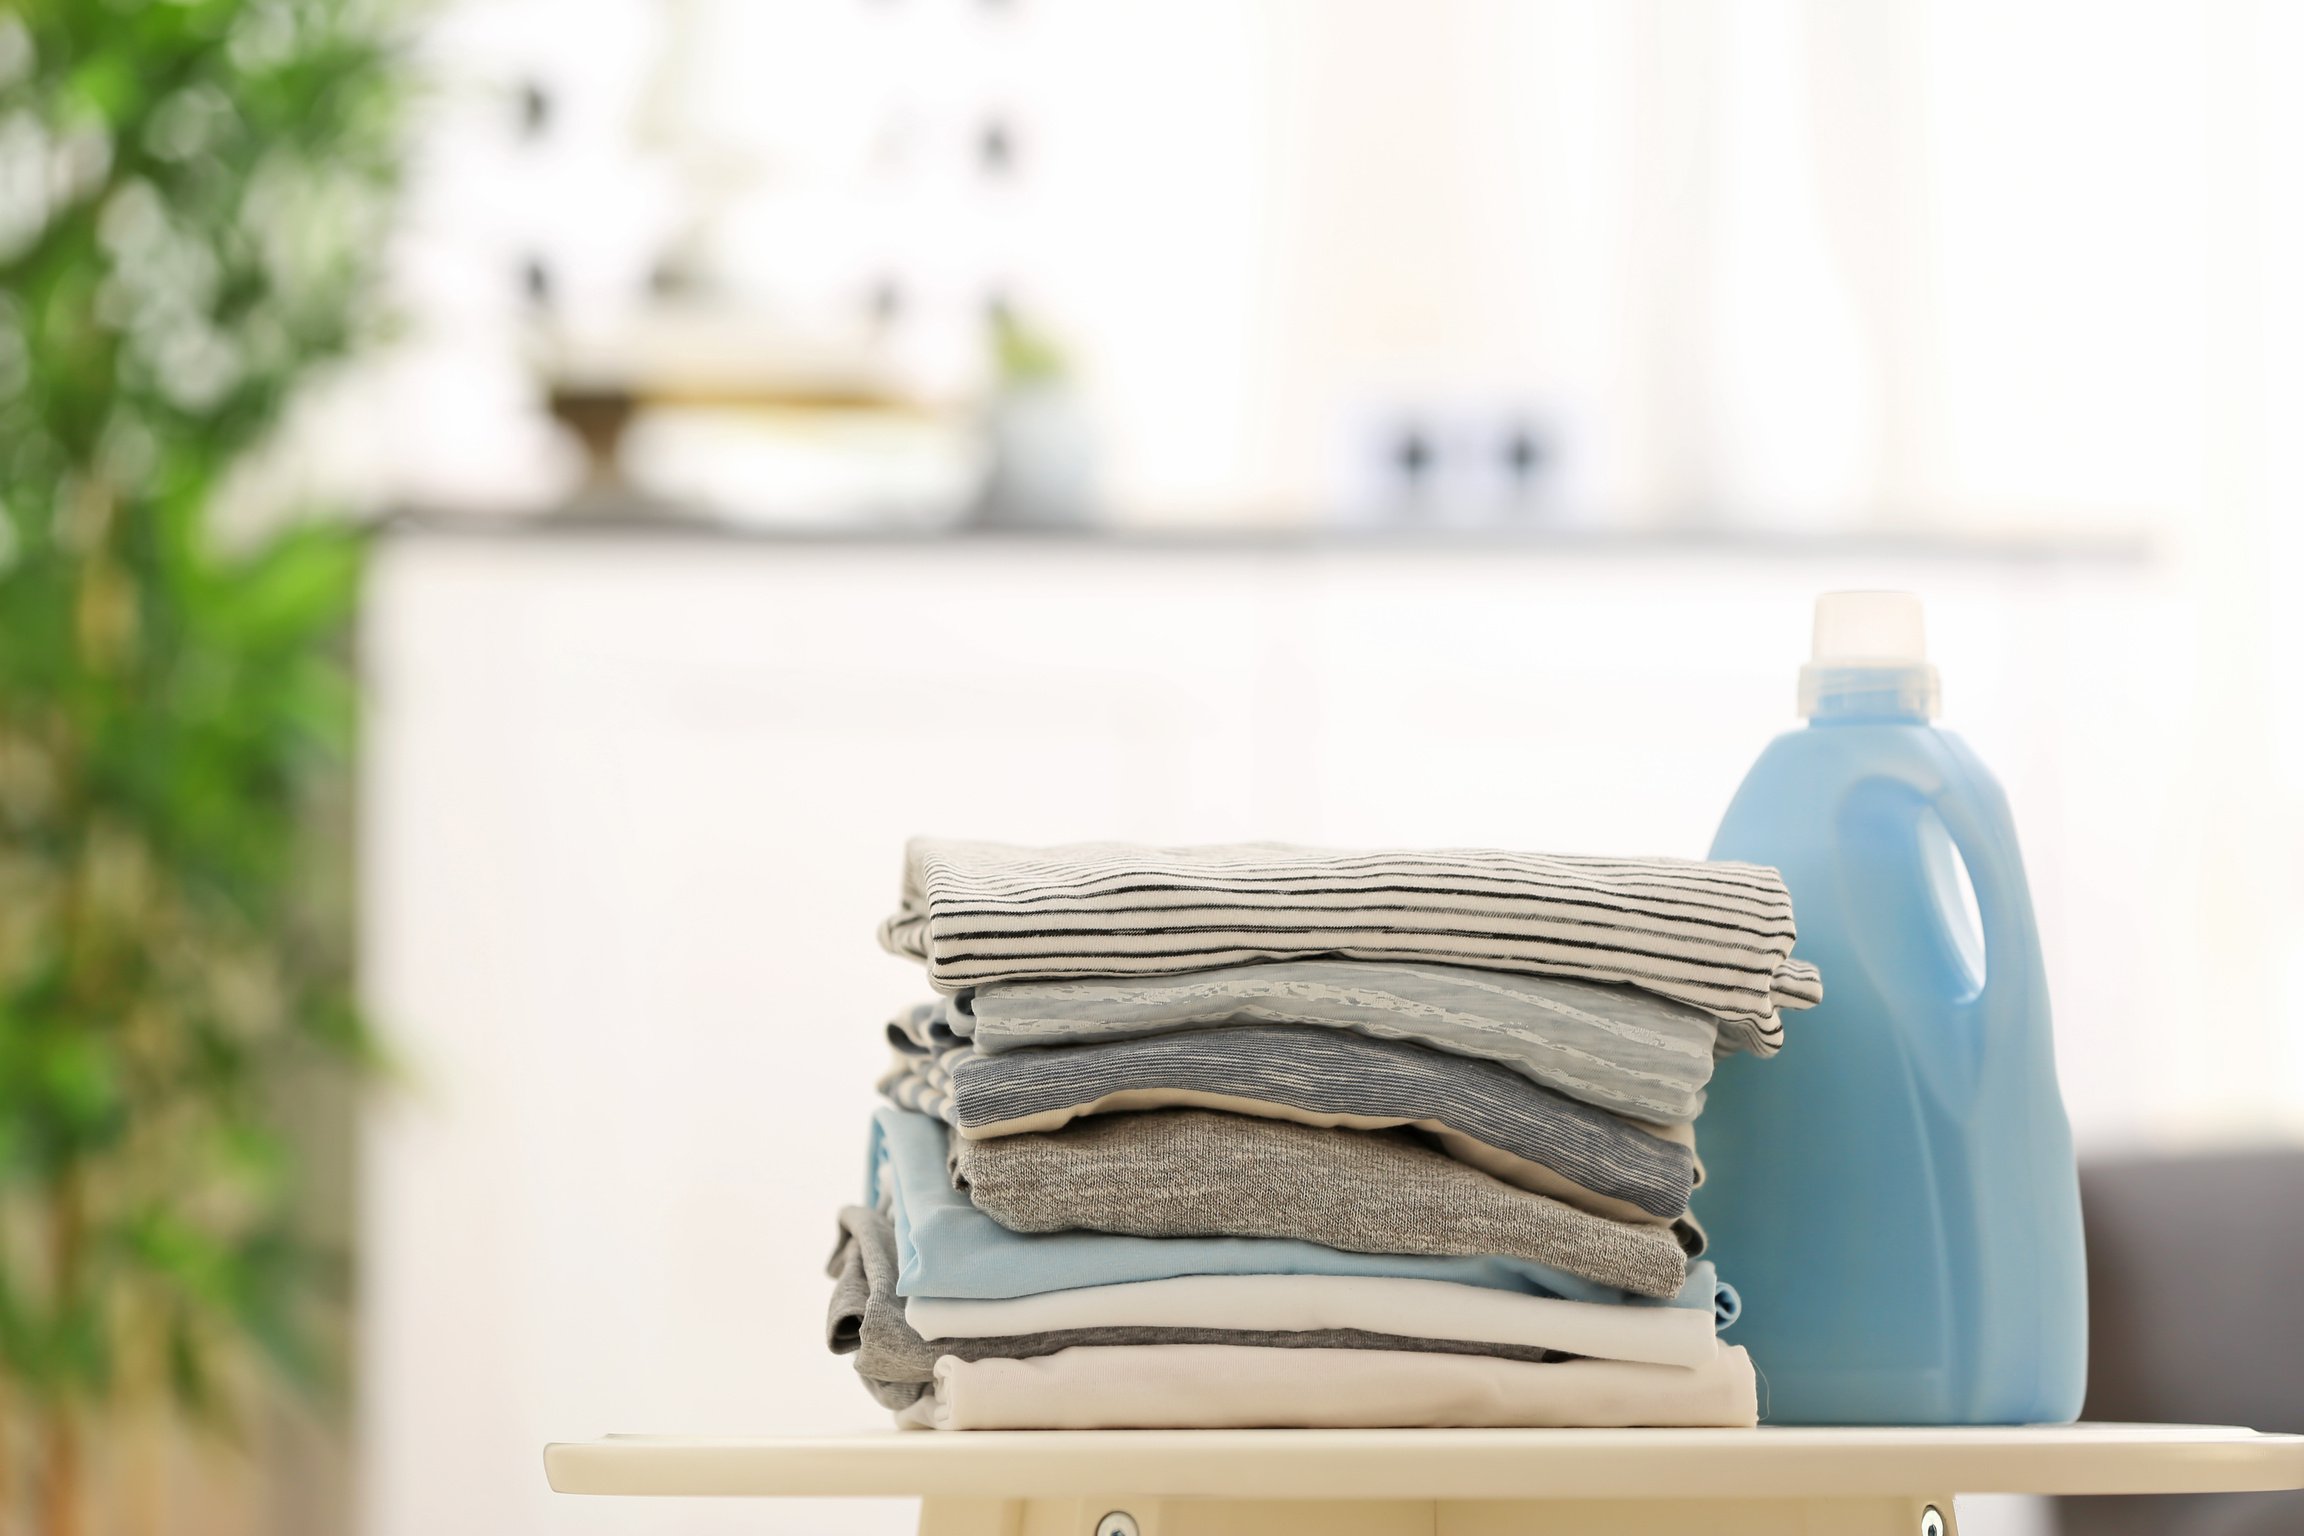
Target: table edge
column 1446, row 1464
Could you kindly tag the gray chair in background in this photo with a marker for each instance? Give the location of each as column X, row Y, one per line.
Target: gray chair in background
column 2195, row 1316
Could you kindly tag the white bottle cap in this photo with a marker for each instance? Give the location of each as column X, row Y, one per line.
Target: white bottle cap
column 1870, row 657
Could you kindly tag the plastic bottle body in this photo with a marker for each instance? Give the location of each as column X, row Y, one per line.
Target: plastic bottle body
column 1894, row 1194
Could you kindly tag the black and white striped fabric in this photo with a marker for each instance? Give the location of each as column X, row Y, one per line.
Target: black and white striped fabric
column 1717, row 936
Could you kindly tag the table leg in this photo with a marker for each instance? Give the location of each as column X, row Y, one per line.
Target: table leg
column 1121, row 1515
column 971, row 1517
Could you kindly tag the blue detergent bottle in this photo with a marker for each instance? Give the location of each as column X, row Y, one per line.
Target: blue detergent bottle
column 1894, row 1194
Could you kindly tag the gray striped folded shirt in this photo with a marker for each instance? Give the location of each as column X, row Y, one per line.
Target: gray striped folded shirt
column 1717, row 936
column 1618, row 1047
column 1574, row 1035
column 1480, row 1113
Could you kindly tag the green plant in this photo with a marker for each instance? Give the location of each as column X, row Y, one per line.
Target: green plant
column 1024, row 356
column 192, row 205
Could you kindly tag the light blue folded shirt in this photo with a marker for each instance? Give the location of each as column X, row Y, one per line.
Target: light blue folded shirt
column 945, row 1247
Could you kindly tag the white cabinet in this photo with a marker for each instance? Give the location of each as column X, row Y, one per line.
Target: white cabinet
column 634, row 806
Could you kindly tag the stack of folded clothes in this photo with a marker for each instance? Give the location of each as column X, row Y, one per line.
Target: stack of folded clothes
column 1271, row 1136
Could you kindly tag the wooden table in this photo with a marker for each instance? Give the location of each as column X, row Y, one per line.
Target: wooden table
column 1442, row 1482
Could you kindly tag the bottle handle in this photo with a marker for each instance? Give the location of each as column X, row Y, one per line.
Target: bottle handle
column 1893, row 807
column 1975, row 815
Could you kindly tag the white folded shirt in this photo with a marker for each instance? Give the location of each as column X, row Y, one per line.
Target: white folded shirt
column 1427, row 1309
column 1217, row 1386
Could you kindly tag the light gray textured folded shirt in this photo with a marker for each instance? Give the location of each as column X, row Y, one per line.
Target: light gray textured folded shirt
column 897, row 1365
column 1205, row 1173
column 1478, row 1111
column 1624, row 1050
column 1717, row 936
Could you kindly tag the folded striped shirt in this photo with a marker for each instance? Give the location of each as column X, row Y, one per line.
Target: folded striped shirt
column 1618, row 1047
column 1480, row 1113
column 1714, row 935
column 1588, row 1038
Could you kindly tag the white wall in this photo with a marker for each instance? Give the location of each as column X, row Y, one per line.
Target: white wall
column 1768, row 263
column 633, row 808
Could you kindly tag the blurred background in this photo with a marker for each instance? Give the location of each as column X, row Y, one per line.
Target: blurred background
column 515, row 509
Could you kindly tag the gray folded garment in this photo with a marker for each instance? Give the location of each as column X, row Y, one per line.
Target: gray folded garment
column 866, row 1319
column 1205, row 1173
column 1616, row 1047
column 1479, row 1112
